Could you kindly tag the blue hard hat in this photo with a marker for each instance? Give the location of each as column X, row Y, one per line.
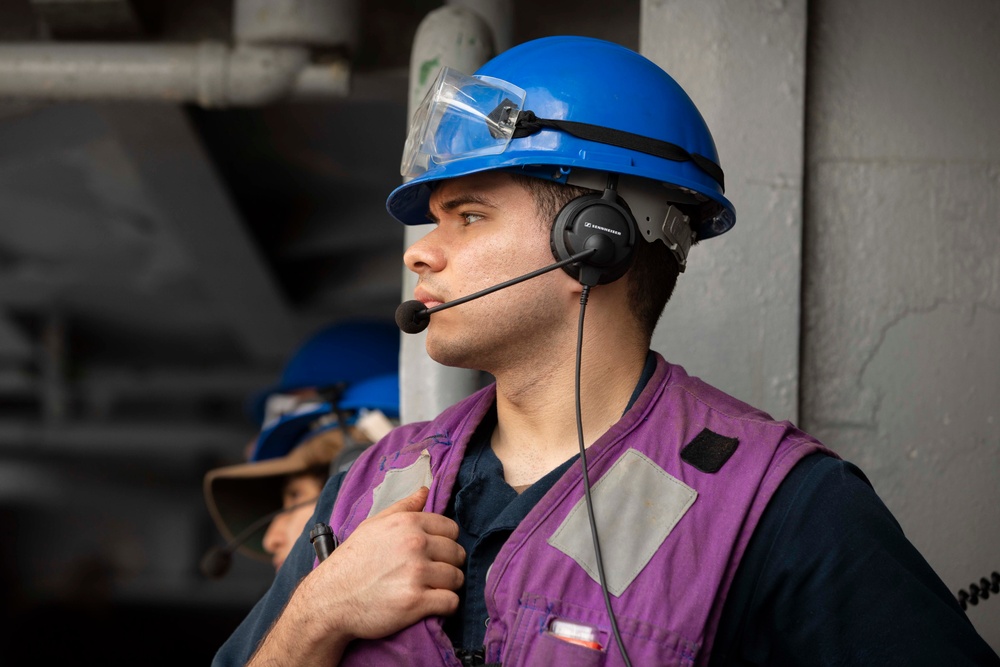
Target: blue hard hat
column 342, row 353
column 640, row 114
column 377, row 393
column 282, row 435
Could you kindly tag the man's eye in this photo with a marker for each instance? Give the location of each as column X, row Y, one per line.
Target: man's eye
column 296, row 495
column 470, row 218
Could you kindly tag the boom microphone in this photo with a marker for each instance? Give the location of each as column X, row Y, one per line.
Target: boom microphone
column 217, row 560
column 412, row 317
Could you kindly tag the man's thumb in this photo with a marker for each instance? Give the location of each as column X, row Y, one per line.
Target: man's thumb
column 411, row 503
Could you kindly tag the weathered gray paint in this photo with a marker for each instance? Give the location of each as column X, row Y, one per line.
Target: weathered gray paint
column 902, row 296
column 901, row 326
column 734, row 318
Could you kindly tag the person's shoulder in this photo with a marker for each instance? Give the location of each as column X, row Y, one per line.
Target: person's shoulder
column 467, row 412
column 829, row 502
column 693, row 388
column 822, row 473
column 824, row 490
column 830, row 578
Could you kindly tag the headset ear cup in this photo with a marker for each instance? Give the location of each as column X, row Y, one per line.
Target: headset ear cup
column 597, row 221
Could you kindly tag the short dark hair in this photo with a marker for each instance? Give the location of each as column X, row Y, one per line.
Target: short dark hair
column 654, row 270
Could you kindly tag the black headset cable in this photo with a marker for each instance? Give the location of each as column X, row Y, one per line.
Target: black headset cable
column 584, row 295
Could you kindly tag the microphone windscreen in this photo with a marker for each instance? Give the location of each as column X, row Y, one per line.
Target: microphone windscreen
column 215, row 563
column 411, row 317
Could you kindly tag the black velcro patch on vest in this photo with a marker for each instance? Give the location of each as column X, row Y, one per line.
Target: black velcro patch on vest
column 709, row 451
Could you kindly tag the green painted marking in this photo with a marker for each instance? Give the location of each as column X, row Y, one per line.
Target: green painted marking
column 427, row 68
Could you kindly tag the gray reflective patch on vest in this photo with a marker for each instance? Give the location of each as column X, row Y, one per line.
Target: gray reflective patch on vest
column 636, row 506
column 402, row 482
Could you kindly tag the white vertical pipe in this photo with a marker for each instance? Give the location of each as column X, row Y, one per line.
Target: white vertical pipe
column 498, row 14
column 447, row 37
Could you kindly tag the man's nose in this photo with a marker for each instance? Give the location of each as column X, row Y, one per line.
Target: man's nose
column 274, row 536
column 425, row 254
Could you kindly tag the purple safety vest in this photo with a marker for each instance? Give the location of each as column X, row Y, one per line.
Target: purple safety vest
column 673, row 528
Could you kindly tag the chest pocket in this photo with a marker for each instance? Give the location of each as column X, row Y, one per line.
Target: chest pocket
column 551, row 632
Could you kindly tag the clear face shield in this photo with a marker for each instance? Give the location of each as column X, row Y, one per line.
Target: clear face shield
column 461, row 116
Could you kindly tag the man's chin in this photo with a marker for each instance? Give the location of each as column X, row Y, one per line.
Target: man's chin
column 449, row 353
column 453, row 361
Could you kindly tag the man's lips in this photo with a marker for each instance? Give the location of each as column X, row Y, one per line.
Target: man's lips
column 425, row 297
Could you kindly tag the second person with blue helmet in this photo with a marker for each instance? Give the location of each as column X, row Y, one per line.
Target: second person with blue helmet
column 338, row 392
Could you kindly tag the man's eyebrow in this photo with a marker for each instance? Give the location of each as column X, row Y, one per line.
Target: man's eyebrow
column 462, row 200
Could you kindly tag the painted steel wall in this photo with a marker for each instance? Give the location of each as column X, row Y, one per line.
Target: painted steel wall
column 892, row 236
column 734, row 318
column 901, row 345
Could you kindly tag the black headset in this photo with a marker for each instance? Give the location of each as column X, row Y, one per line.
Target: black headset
column 598, row 221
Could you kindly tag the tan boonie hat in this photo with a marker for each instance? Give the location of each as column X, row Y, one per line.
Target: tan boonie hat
column 238, row 495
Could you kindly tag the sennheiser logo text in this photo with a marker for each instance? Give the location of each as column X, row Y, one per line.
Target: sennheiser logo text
column 603, row 229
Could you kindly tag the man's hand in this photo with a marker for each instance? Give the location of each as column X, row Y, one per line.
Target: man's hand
column 397, row 567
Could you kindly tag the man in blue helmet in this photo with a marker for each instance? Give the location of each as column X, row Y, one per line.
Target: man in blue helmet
column 262, row 506
column 596, row 505
column 337, row 354
column 344, row 370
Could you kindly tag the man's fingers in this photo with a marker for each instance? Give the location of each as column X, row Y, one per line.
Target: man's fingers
column 429, row 522
column 442, row 576
column 436, row 524
column 440, row 602
column 445, row 550
column 411, row 503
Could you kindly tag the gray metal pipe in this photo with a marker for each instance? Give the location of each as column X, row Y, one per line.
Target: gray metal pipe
column 211, row 74
column 303, row 22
